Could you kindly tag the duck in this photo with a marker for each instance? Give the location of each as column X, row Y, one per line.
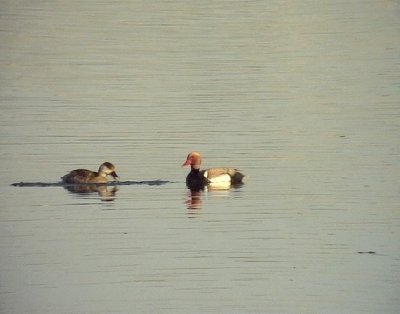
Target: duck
column 80, row 176
column 198, row 179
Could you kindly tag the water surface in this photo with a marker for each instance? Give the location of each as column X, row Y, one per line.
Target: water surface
column 301, row 96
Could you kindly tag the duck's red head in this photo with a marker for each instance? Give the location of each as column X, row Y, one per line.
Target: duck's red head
column 193, row 159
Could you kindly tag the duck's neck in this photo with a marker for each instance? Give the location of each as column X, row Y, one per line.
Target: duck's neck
column 101, row 173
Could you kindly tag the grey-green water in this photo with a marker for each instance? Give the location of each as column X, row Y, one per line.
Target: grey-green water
column 303, row 96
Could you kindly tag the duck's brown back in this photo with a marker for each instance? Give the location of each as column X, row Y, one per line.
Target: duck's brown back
column 83, row 176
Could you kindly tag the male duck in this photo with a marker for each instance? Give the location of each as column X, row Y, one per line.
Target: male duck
column 86, row 176
column 197, row 179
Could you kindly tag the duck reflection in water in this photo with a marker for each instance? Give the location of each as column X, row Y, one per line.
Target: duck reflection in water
column 194, row 199
column 106, row 193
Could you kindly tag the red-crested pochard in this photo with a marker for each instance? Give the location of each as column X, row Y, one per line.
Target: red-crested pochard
column 198, row 179
column 86, row 176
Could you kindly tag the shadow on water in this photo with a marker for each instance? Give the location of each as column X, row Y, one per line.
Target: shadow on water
column 115, row 183
column 106, row 191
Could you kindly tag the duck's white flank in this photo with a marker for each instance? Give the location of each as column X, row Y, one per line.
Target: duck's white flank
column 219, row 179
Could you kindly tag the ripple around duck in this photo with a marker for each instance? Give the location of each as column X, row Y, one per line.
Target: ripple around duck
column 46, row 184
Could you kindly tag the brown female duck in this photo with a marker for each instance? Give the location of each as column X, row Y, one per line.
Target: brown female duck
column 80, row 176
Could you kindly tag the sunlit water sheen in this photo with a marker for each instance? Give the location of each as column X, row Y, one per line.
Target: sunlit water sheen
column 302, row 96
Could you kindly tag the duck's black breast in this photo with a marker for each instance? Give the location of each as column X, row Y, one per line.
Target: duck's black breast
column 195, row 180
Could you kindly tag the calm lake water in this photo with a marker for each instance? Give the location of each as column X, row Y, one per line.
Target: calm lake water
column 302, row 96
